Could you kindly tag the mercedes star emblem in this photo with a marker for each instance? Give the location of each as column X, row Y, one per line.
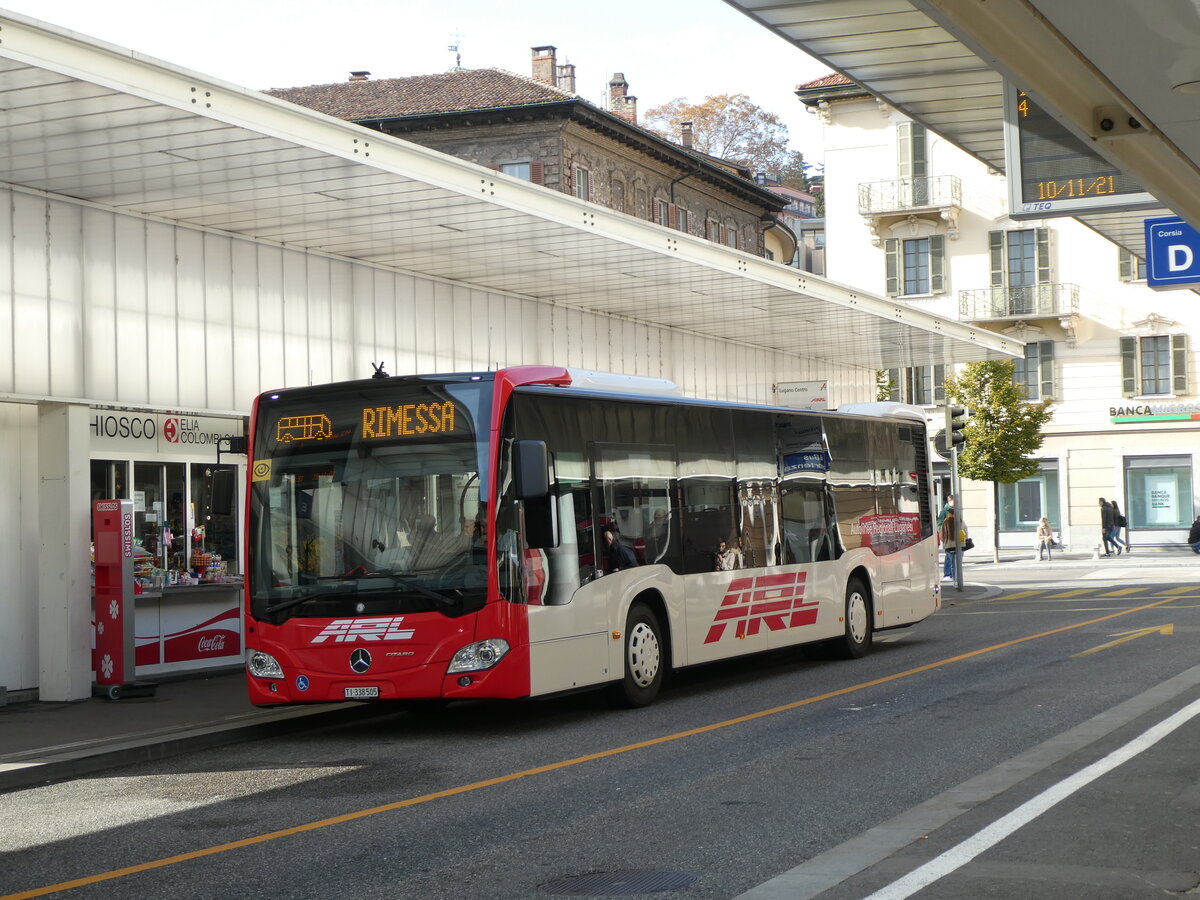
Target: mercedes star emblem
column 360, row 660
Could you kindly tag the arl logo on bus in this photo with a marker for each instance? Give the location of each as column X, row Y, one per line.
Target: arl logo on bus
column 347, row 631
column 774, row 600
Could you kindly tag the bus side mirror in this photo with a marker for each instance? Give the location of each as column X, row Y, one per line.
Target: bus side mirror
column 222, row 492
column 531, row 470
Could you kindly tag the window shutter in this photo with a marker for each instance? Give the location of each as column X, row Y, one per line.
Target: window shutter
column 1124, row 264
column 574, row 179
column 939, row 384
column 672, row 215
column 996, row 257
column 919, row 163
column 1046, row 364
column 937, row 263
column 1128, row 366
column 591, row 187
column 891, row 255
column 1179, row 363
column 537, row 172
column 904, row 150
column 1044, row 273
column 723, row 231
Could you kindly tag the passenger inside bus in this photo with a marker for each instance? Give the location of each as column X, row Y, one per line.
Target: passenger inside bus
column 727, row 558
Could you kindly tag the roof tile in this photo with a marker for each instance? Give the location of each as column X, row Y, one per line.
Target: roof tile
column 422, row 94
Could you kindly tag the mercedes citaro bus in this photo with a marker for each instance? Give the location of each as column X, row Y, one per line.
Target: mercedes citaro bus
column 455, row 536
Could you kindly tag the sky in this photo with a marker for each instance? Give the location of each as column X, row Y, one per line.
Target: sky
column 665, row 48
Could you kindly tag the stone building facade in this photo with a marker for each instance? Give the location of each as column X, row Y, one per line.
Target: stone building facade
column 543, row 132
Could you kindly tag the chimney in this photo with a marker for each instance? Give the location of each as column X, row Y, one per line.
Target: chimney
column 620, row 102
column 688, row 141
column 566, row 78
column 545, row 68
column 359, row 76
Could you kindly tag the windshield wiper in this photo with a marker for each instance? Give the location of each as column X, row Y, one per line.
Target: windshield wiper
column 296, row 600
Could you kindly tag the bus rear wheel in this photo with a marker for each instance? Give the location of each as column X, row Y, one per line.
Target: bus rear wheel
column 856, row 639
column 642, row 659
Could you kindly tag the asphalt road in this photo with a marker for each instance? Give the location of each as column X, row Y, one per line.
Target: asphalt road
column 780, row 776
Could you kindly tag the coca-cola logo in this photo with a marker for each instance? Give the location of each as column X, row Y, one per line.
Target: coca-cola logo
column 212, row 644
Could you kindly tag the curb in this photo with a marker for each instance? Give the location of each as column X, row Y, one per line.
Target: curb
column 32, row 768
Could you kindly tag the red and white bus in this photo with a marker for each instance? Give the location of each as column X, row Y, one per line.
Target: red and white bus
column 444, row 536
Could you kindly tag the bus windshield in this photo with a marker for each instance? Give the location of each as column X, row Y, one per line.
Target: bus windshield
column 370, row 500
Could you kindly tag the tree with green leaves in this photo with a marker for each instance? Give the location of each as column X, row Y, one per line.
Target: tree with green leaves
column 1004, row 429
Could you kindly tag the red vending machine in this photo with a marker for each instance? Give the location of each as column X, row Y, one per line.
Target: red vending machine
column 112, row 529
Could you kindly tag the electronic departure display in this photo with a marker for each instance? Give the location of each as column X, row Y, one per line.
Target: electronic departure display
column 1051, row 172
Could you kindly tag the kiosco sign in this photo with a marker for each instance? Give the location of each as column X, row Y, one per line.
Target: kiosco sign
column 1172, row 253
column 172, row 434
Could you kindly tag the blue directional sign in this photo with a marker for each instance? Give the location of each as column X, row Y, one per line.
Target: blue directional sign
column 1172, row 253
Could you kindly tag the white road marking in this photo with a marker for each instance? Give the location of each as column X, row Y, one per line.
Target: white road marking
column 957, row 857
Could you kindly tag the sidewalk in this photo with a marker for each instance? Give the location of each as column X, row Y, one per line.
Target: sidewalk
column 42, row 742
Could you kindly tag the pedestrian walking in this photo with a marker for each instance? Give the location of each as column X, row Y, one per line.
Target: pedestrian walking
column 1045, row 538
column 1107, row 523
column 1119, row 522
column 1194, row 536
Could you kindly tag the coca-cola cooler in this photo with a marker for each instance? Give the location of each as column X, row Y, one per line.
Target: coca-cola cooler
column 112, row 550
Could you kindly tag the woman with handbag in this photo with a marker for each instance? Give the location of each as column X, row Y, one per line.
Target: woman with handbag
column 949, row 536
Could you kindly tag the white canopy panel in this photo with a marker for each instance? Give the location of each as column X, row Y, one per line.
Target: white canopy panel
column 942, row 62
column 87, row 120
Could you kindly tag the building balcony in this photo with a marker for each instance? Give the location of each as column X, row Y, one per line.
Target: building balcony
column 882, row 203
column 1024, row 304
column 1039, row 301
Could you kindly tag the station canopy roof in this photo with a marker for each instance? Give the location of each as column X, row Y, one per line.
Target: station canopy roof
column 87, row 120
column 943, row 63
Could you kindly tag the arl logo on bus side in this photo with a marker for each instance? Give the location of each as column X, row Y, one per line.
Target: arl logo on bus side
column 774, row 600
column 348, row 631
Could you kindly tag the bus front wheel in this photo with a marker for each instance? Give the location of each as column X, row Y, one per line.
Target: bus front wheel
column 856, row 639
column 642, row 658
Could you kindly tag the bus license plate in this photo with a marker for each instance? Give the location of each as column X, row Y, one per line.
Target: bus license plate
column 362, row 693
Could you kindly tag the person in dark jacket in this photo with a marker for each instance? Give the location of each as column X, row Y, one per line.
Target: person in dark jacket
column 1107, row 523
column 1194, row 536
column 619, row 556
column 1119, row 522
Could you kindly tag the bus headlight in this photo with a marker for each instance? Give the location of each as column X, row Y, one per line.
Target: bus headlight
column 263, row 665
column 478, row 656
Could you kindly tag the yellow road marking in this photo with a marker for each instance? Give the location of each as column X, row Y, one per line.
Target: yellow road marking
column 1076, row 593
column 1176, row 590
column 552, row 767
column 1123, row 592
column 1020, row 594
column 1123, row 636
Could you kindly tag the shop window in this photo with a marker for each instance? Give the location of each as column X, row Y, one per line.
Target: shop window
column 1154, row 365
column 1158, row 492
column 178, row 530
column 214, row 532
column 1024, row 502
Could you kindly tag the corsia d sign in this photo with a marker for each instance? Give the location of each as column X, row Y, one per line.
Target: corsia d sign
column 1172, row 253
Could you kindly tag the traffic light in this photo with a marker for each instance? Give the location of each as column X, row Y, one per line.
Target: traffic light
column 956, row 421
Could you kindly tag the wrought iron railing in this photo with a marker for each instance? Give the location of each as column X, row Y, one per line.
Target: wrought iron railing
column 1039, row 300
column 882, row 197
